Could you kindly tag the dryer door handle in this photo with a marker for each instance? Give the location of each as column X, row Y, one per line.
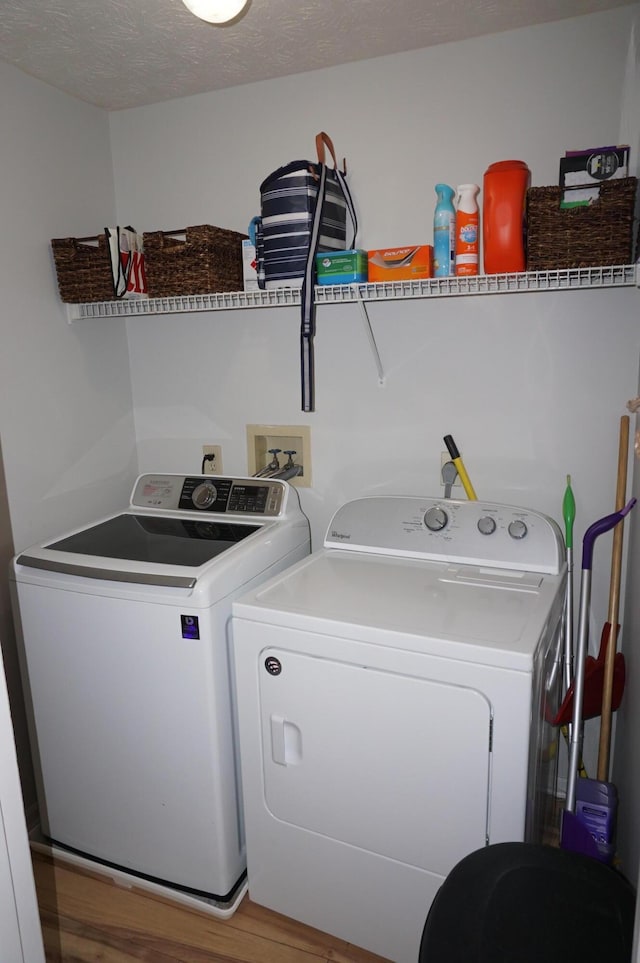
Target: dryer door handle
column 286, row 742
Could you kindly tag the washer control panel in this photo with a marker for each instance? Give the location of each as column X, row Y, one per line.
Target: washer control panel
column 470, row 532
column 210, row 493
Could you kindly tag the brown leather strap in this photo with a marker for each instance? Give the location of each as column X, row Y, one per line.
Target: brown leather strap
column 321, row 139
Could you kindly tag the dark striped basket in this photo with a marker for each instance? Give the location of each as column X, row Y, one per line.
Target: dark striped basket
column 83, row 268
column 600, row 234
column 194, row 260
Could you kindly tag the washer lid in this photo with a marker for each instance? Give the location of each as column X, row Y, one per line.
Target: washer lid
column 157, row 539
column 473, row 613
column 207, row 534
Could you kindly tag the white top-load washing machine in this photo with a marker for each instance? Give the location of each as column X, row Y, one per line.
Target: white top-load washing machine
column 125, row 628
column 394, row 696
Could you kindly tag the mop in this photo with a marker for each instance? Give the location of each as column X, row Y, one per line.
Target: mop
column 590, row 829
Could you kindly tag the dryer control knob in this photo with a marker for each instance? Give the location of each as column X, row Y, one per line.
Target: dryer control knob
column 204, row 495
column 436, row 519
column 517, row 529
column 486, row 525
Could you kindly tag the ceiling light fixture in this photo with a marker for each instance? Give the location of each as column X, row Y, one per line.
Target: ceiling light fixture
column 216, row 11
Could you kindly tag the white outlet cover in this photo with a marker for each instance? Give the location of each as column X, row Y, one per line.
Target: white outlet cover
column 212, row 467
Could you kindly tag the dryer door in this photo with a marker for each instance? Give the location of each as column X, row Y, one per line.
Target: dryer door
column 395, row 765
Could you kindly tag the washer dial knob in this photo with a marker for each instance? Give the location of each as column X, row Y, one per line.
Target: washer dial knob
column 486, row 525
column 517, row 528
column 436, row 519
column 204, row 495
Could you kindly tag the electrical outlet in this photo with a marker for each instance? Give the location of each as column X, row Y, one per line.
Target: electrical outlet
column 212, row 466
column 444, row 458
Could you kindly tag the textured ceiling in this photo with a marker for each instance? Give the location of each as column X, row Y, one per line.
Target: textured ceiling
column 126, row 53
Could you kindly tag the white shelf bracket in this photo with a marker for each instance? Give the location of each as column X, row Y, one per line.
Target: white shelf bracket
column 372, row 340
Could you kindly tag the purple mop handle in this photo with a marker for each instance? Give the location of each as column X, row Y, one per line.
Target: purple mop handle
column 599, row 528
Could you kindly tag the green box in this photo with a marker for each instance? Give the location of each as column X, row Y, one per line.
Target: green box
column 342, row 267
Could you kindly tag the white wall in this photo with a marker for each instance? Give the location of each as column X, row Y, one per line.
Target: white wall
column 530, row 386
column 626, row 773
column 404, row 123
column 65, row 417
column 65, row 397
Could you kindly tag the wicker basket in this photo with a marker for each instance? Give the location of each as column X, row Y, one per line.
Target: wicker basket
column 83, row 268
column 195, row 260
column 600, row 234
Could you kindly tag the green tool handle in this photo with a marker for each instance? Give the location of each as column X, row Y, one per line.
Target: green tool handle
column 569, row 513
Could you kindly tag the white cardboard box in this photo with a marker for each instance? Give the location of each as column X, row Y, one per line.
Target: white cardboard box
column 249, row 272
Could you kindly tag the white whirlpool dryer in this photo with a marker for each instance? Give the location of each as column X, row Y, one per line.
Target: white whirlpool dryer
column 393, row 696
column 125, row 637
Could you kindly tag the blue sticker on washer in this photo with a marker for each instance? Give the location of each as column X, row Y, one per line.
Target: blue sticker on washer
column 190, row 627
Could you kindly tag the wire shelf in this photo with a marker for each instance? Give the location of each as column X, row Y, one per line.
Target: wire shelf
column 572, row 279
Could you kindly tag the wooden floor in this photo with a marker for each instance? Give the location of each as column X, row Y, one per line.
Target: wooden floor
column 89, row 919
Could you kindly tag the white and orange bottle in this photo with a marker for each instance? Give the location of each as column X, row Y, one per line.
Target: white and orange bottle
column 467, row 230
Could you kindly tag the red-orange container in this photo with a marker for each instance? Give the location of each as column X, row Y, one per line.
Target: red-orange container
column 503, row 217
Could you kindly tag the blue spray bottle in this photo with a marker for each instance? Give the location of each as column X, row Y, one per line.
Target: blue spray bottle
column 444, row 232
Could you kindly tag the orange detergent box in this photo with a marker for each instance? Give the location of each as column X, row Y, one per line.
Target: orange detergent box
column 401, row 263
